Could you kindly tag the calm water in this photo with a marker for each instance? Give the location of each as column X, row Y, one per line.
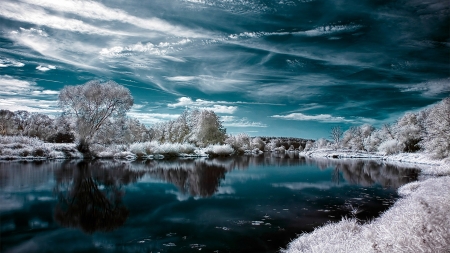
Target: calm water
column 241, row 204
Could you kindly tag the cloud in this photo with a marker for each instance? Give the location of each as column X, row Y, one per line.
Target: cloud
column 76, row 53
column 152, row 118
column 208, row 83
column 26, row 95
column 161, row 49
column 327, row 118
column 187, row 102
column 11, row 86
column 6, row 62
column 319, row 31
column 220, row 109
column 94, row 10
column 29, row 104
column 43, row 68
column 232, row 121
column 430, row 88
column 38, row 16
column 204, row 105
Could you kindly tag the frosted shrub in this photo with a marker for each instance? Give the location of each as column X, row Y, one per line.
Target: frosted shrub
column 437, row 139
column 390, row 147
column 219, row 150
column 175, row 149
column 239, row 143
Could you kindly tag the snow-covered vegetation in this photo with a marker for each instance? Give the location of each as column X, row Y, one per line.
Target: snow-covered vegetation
column 19, row 147
column 417, row 223
column 426, row 132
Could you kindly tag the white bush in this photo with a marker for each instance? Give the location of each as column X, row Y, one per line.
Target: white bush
column 219, row 150
column 390, row 147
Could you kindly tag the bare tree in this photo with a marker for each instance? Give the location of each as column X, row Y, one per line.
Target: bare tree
column 92, row 104
column 336, row 135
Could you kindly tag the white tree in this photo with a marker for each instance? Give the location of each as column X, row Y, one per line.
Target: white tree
column 6, row 122
column 92, row 104
column 437, row 138
column 208, row 129
column 336, row 135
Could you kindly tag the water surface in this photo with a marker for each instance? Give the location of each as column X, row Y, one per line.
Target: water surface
column 235, row 204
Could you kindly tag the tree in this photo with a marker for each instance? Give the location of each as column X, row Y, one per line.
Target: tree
column 92, row 104
column 437, row 124
column 6, row 122
column 336, row 135
column 208, row 129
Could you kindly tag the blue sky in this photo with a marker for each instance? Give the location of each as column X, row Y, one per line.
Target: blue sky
column 270, row 68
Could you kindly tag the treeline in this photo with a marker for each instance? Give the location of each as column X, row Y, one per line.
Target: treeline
column 94, row 114
column 427, row 130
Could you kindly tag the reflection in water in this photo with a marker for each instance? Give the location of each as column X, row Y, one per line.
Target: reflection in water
column 90, row 194
column 202, row 177
column 269, row 199
column 198, row 178
column 366, row 172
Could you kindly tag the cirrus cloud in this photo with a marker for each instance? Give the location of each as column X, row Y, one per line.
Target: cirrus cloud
column 327, row 118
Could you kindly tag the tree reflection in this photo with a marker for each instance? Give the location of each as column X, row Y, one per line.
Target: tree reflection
column 196, row 177
column 90, row 194
column 366, row 172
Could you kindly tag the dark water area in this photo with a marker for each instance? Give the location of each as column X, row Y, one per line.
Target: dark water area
column 234, row 204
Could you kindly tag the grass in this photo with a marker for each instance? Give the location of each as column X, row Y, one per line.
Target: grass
column 419, row 222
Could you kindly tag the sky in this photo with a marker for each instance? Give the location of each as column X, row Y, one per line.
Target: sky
column 291, row 68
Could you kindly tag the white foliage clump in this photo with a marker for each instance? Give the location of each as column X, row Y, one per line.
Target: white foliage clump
column 154, row 147
column 390, row 147
column 437, row 139
column 321, row 143
column 240, row 142
column 219, row 150
column 16, row 147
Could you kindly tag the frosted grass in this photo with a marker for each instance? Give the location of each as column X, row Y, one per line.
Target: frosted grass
column 419, row 222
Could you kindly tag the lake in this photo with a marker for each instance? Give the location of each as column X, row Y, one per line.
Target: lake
column 233, row 204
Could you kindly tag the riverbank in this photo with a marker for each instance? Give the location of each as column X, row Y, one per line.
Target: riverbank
column 418, row 222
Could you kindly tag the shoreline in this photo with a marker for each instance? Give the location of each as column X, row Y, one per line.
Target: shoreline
column 417, row 222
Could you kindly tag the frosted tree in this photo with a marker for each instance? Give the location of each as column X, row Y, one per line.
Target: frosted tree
column 336, row 135
column 437, row 124
column 321, row 143
column 258, row 143
column 239, row 142
column 6, row 122
column 40, row 126
column 92, row 104
column 208, row 129
column 356, row 136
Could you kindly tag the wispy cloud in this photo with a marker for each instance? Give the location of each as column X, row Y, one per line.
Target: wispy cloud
column 38, row 16
column 29, row 104
column 152, row 118
column 188, row 102
column 209, row 83
column 430, row 88
column 233, row 121
column 327, row 118
column 6, row 62
column 319, row 31
column 26, row 95
column 95, row 10
column 204, row 105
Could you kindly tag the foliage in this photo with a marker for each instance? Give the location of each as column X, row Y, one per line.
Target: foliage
column 437, row 124
column 92, row 104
